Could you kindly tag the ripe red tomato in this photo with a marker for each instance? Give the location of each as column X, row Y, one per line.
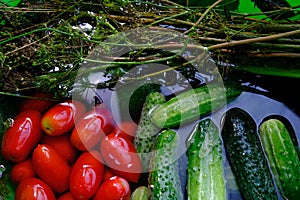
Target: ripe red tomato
column 121, row 156
column 51, row 168
column 21, row 171
column 37, row 104
column 66, row 196
column 86, row 175
column 115, row 188
column 61, row 118
column 62, row 145
column 92, row 127
column 108, row 173
column 19, row 140
column 33, row 189
column 126, row 129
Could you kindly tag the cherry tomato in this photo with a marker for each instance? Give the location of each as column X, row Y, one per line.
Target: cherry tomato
column 19, row 140
column 126, row 129
column 62, row 145
column 33, row 189
column 21, row 171
column 37, row 104
column 121, row 156
column 51, row 168
column 92, row 127
column 61, row 118
column 115, row 188
column 108, row 173
column 86, row 175
column 66, row 196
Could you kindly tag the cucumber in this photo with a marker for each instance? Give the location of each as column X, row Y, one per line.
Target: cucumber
column 205, row 163
column 140, row 193
column 246, row 157
column 145, row 135
column 192, row 104
column 163, row 180
column 282, row 157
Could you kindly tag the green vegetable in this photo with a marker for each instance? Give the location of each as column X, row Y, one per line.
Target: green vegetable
column 146, row 132
column 282, row 156
column 205, row 163
column 140, row 193
column 163, row 181
column 192, row 104
column 246, row 157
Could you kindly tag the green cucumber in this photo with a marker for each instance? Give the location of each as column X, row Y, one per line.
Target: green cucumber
column 140, row 193
column 205, row 163
column 192, row 104
column 282, row 157
column 246, row 157
column 145, row 135
column 163, row 180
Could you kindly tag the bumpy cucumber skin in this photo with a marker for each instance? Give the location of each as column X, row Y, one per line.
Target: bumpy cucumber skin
column 205, row 163
column 282, row 157
column 145, row 135
column 163, row 181
column 246, row 157
column 192, row 104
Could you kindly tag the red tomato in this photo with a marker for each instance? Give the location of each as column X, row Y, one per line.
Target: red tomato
column 37, row 104
column 126, row 129
column 61, row 118
column 62, row 145
column 92, row 127
column 121, row 156
column 19, row 140
column 115, row 188
column 108, row 173
column 33, row 189
column 66, row 196
column 21, row 171
column 86, row 175
column 51, row 168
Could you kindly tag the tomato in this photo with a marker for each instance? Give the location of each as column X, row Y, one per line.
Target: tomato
column 33, row 189
column 86, row 175
column 108, row 173
column 92, row 127
column 62, row 145
column 115, row 188
column 126, row 129
column 51, row 168
column 38, row 102
column 61, row 118
column 21, row 171
column 19, row 140
column 66, row 196
column 121, row 156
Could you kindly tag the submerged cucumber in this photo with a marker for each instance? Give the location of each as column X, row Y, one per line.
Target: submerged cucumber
column 140, row 193
column 192, row 104
column 205, row 163
column 145, row 135
column 282, row 156
column 163, row 181
column 246, row 157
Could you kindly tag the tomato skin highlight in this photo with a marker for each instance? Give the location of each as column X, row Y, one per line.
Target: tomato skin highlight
column 40, row 105
column 126, row 129
column 115, row 188
column 62, row 145
column 21, row 171
column 34, row 189
column 19, row 140
column 120, row 155
column 92, row 127
column 108, row 173
column 86, row 175
column 51, row 168
column 61, row 118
